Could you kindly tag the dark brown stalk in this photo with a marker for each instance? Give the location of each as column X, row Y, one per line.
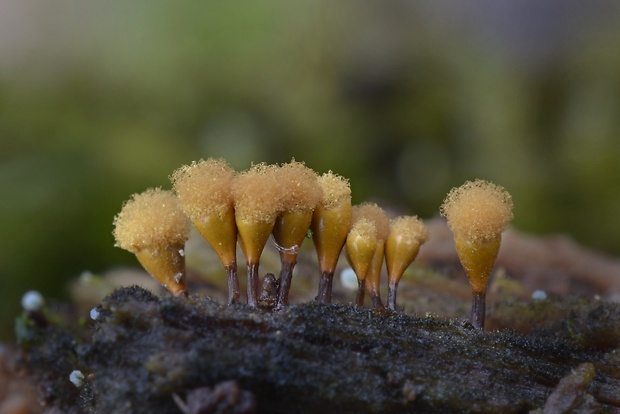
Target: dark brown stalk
column 234, row 291
column 325, row 287
column 478, row 310
column 361, row 291
column 376, row 299
column 253, row 281
column 392, row 288
column 286, row 275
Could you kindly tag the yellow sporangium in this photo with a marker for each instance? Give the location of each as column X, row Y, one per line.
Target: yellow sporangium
column 477, row 213
column 152, row 226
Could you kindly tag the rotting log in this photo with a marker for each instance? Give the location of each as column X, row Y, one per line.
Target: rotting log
column 317, row 358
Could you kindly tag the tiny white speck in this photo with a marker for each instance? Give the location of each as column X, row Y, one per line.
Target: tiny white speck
column 539, row 295
column 182, row 252
column 94, row 314
column 77, row 378
column 32, row 301
column 348, row 278
column 178, row 277
column 87, row 276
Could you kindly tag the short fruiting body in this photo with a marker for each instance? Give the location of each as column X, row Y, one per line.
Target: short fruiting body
column 376, row 215
column 370, row 281
column 257, row 196
column 204, row 190
column 407, row 234
column 361, row 246
column 331, row 222
column 152, row 226
column 299, row 197
column 477, row 213
column 373, row 278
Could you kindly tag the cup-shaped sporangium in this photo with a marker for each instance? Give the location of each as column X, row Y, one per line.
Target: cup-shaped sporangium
column 152, row 226
column 300, row 195
column 477, row 213
column 407, row 234
column 204, row 190
column 331, row 222
column 257, row 198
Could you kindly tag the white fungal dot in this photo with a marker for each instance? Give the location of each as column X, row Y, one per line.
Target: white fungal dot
column 94, row 314
column 539, row 295
column 178, row 277
column 182, row 252
column 87, row 277
column 32, row 301
column 77, row 378
column 348, row 278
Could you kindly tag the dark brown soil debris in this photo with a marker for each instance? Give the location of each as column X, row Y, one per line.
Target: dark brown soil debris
column 316, row 358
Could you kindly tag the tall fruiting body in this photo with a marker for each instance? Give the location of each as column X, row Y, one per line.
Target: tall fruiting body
column 204, row 190
column 256, row 195
column 300, row 194
column 477, row 213
column 152, row 226
column 330, row 225
column 407, row 234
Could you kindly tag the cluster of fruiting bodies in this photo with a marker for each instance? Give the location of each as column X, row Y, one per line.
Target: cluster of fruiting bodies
column 287, row 201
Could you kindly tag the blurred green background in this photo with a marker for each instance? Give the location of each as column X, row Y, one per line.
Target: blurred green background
column 99, row 100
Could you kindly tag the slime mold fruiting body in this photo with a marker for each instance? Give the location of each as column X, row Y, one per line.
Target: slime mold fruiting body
column 300, row 194
column 407, row 234
column 152, row 226
column 257, row 203
column 477, row 213
column 204, row 192
column 331, row 222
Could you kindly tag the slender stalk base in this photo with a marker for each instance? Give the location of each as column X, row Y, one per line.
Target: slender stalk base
column 325, row 287
column 361, row 291
column 234, row 291
column 478, row 310
column 392, row 288
column 376, row 299
column 253, row 280
column 286, row 275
